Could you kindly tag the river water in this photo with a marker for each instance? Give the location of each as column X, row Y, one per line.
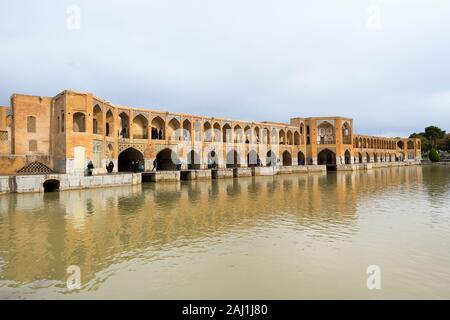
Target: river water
column 284, row 237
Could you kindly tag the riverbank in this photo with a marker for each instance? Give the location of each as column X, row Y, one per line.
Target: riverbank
column 63, row 182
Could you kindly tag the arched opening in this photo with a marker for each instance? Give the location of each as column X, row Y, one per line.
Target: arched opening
column 274, row 137
column 167, row 160
column 248, row 134
column 296, row 138
column 174, row 132
column 327, row 157
column 253, row 159
column 124, row 125
column 325, row 133
column 265, row 136
column 97, row 120
column 217, row 131
column 281, row 137
column 233, row 160
column 140, row 127
column 400, row 144
column 346, row 134
column 127, row 158
column 287, row 159
column 360, row 158
column 410, row 145
column 375, row 158
column 213, row 159
column 79, row 122
column 193, row 160
column 367, row 158
column 51, row 185
column 257, row 137
column 109, row 123
column 271, row 159
column 347, row 157
column 207, row 132
column 290, row 138
column 158, row 127
column 237, row 134
column 301, row 159
column 186, row 130
column 226, row 133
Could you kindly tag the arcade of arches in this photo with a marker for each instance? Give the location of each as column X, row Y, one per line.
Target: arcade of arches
column 172, row 141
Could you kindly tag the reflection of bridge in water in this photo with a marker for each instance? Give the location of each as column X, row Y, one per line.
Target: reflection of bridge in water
column 40, row 235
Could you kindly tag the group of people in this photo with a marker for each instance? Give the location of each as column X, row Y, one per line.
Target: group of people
column 157, row 134
column 137, row 165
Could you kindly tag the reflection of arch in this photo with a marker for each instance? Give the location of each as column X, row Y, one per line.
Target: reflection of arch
column 287, row 159
column 326, row 157
column 347, row 157
column 140, row 127
column 126, row 157
column 271, row 159
column 233, row 160
column 193, row 160
column 301, row 159
column 124, row 125
column 167, row 160
column 97, row 120
column 252, row 159
column 51, row 185
column 79, row 122
column 109, row 123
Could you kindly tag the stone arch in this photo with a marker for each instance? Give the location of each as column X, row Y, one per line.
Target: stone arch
column 126, row 157
column 375, row 157
column 367, row 157
column 124, row 125
column 400, row 144
column 187, row 130
column 301, row 160
column 158, row 128
column 237, row 134
column 97, row 120
column 140, row 127
column 173, row 130
column 347, row 157
column 271, row 159
column 51, row 185
column 193, row 160
column 31, row 124
column 233, row 159
column 290, row 138
column 326, row 157
column 226, row 133
column 79, row 122
column 207, row 132
column 287, row 158
column 346, row 133
column 109, row 127
column 274, row 136
column 326, row 133
column 217, row 132
column 360, row 157
column 248, row 134
column 213, row 159
column 167, row 160
column 253, row 158
column 281, row 137
column 410, row 145
column 296, row 138
column 257, row 138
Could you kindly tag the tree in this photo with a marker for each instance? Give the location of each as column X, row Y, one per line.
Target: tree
column 433, row 133
column 433, row 155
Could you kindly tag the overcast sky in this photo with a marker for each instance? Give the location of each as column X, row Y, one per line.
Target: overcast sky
column 384, row 63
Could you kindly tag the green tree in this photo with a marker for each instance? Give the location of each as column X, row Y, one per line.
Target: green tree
column 433, row 155
column 433, row 133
